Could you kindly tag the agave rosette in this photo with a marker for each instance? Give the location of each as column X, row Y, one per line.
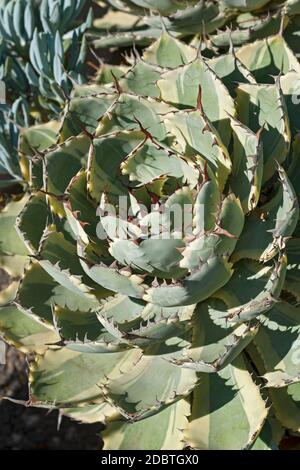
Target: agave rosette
column 170, row 341
column 42, row 51
column 41, row 48
column 141, row 22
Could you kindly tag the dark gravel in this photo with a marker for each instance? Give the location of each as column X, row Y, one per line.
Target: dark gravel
column 24, row 428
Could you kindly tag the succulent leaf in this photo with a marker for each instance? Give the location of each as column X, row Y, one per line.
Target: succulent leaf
column 22, row 329
column 160, row 431
column 222, row 418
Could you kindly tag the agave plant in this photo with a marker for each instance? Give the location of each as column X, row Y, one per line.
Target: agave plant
column 42, row 46
column 10, row 172
column 42, row 52
column 171, row 337
column 239, row 21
